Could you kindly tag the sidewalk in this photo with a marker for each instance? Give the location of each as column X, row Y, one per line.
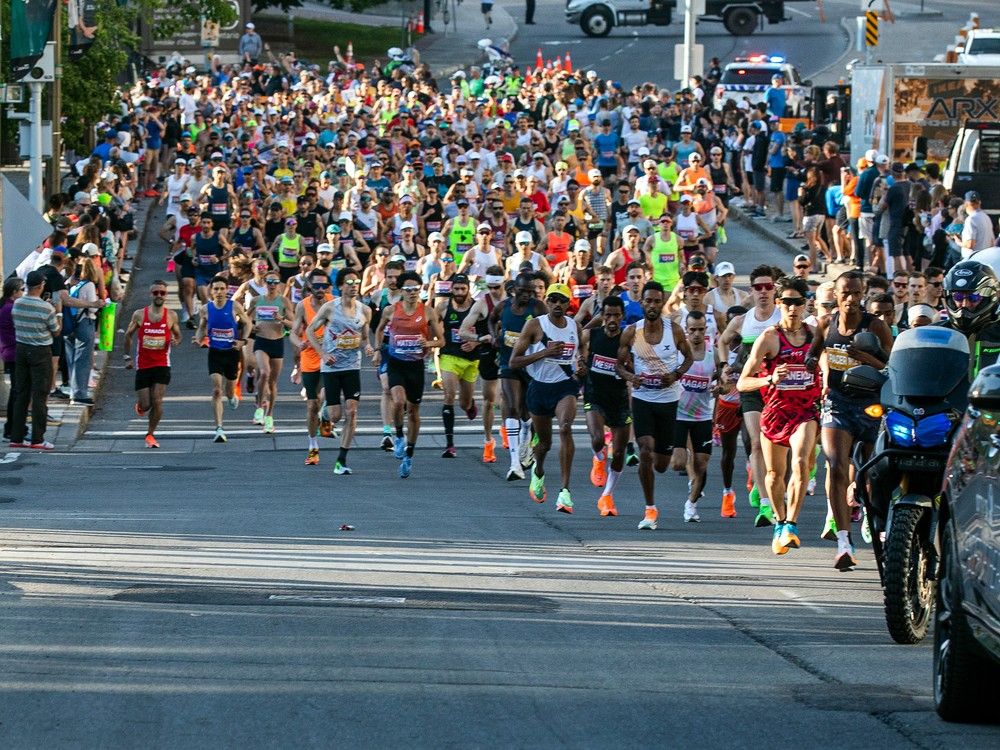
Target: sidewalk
column 453, row 47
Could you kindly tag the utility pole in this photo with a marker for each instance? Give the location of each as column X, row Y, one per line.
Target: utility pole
column 689, row 57
column 55, row 106
column 36, row 192
column 689, row 21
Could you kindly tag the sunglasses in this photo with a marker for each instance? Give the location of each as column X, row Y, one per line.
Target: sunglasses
column 810, row 295
column 832, row 305
column 899, row 285
column 271, row 281
column 695, row 289
column 245, row 216
column 319, row 286
column 769, row 287
column 411, row 289
column 352, row 282
column 155, row 294
column 801, row 267
column 936, row 283
column 557, row 299
column 484, row 231
column 793, row 301
column 973, row 297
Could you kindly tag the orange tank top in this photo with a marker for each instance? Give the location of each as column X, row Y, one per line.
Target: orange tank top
column 407, row 332
column 308, row 359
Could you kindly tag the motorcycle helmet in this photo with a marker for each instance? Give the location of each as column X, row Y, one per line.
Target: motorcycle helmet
column 395, row 53
column 974, row 278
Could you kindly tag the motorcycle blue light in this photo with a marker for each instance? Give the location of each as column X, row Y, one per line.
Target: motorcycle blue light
column 933, row 431
column 900, row 428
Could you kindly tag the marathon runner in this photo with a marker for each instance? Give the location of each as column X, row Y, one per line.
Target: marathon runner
column 272, row 316
column 309, row 358
column 550, row 349
column 413, row 328
column 458, row 358
column 157, row 329
column 226, row 327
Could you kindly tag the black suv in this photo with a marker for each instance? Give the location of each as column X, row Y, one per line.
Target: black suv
column 967, row 626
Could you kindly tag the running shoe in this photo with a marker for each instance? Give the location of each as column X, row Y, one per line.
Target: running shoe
column 139, row 410
column 258, row 415
column 866, row 529
column 790, row 535
column 341, row 470
column 489, row 451
column 829, row 530
column 515, row 473
column 778, row 546
column 564, row 503
column 387, row 443
column 448, row 452
column 472, row 412
column 250, row 383
column 268, row 424
column 811, row 487
column 536, row 490
column 436, row 384
column 399, row 448
column 405, row 467
column 691, row 512
column 504, row 440
column 220, row 435
column 325, row 428
column 525, row 454
column 606, row 505
column 765, row 517
column 749, row 478
column 754, row 497
column 631, row 457
column 599, row 470
column 728, row 504
column 845, row 557
column 234, row 401
column 648, row 522
column 45, row 445
column 151, row 442
column 312, row 458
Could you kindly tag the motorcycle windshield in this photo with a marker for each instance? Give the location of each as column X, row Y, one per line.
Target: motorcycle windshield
column 928, row 362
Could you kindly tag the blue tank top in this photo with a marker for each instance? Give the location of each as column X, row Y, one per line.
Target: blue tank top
column 684, row 150
column 511, row 325
column 633, row 310
column 218, row 206
column 222, row 326
column 204, row 249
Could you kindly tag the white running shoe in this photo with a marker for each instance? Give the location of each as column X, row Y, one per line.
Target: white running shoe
column 258, row 415
column 811, row 487
column 691, row 512
column 516, row 472
column 220, row 435
column 234, row 401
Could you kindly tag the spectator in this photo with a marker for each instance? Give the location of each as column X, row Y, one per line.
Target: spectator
column 36, row 322
column 251, row 45
column 12, row 289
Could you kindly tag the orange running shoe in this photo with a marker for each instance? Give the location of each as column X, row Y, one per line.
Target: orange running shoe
column 599, row 470
column 139, row 410
column 151, row 442
column 749, row 478
column 312, row 459
column 728, row 504
column 489, row 451
column 648, row 521
column 606, row 505
column 326, row 428
column 238, row 390
column 503, row 438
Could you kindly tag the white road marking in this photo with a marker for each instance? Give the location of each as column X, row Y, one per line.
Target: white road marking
column 558, row 42
column 10, row 458
column 798, row 12
column 337, row 599
column 798, row 600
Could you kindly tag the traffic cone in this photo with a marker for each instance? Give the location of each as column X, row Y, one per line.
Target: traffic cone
column 568, row 67
column 527, row 77
column 538, row 59
column 420, row 23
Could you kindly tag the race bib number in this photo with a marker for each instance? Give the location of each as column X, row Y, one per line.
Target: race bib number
column 839, row 359
column 695, row 383
column 267, row 312
column 407, row 346
column 348, row 340
column 798, row 378
column 582, row 291
column 410, row 265
column 567, row 355
column 154, row 343
column 205, row 260
column 667, row 257
column 222, row 334
column 220, row 208
column 686, row 234
column 510, row 338
column 604, row 365
column 442, row 288
column 651, row 382
column 719, row 189
column 455, row 337
column 339, row 264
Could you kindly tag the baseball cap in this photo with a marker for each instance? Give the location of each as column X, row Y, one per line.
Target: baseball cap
column 920, row 311
column 522, row 237
column 460, row 278
column 913, row 167
column 35, row 278
column 897, row 167
column 90, row 250
column 800, row 258
column 724, row 268
column 185, row 197
column 686, row 198
column 972, row 197
column 180, row 161
column 685, row 128
column 634, row 202
column 649, row 163
column 435, row 236
column 324, row 247
column 881, row 159
column 59, row 250
column 346, row 216
column 561, row 289
column 870, row 155
column 333, row 228
column 406, row 225
column 580, row 245
column 630, row 228
column 593, row 173
column 483, row 225
column 643, row 151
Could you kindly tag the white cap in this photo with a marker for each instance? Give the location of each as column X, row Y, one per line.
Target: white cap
column 581, row 245
column 345, row 216
column 648, row 163
column 870, row 155
column 881, row 159
column 483, row 225
column 405, row 225
column 573, row 127
column 593, row 173
column 216, row 155
column 458, row 74
column 643, row 151
column 629, row 228
column 324, row 247
column 686, row 198
column 474, row 155
column 550, row 123
column 250, row 25
column 800, row 257
column 538, row 155
column 185, row 197
column 591, row 75
column 522, row 237
column 920, row 311
column 685, row 128
column 724, row 268
column 180, row 161
column 435, row 236
column 466, row 173
column 90, row 250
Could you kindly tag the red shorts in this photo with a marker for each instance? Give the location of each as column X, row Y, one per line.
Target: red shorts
column 778, row 421
column 727, row 417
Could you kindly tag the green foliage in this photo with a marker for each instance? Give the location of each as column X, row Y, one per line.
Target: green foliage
column 89, row 84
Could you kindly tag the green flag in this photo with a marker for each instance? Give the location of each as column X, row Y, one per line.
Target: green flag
column 31, row 26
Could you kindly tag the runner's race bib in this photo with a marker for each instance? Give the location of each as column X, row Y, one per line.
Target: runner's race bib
column 696, row 383
column 604, row 365
column 667, row 257
column 510, row 338
column 582, row 291
column 567, row 355
column 798, row 378
column 267, row 312
column 348, row 340
column 839, row 359
column 155, row 343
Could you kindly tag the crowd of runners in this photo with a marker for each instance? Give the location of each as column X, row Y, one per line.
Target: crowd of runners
column 538, row 246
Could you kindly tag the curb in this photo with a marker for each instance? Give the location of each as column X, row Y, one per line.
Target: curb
column 756, row 228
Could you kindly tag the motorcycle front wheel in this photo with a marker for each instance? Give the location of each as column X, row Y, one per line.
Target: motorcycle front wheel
column 909, row 593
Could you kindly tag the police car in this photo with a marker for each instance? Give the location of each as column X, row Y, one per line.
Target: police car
column 749, row 77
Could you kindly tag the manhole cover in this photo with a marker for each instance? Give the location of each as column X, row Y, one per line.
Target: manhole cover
column 393, row 599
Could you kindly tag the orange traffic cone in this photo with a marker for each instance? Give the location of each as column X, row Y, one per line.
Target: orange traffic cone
column 420, row 23
column 527, row 77
column 538, row 59
column 568, row 67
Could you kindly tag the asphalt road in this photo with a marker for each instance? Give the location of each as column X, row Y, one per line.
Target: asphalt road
column 204, row 596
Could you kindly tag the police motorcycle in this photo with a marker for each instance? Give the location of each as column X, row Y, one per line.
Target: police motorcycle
column 920, row 397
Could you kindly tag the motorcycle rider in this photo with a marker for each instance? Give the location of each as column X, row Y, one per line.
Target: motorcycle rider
column 971, row 296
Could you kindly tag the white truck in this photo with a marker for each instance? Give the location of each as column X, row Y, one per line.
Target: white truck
column 740, row 17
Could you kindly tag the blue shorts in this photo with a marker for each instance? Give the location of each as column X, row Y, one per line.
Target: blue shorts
column 840, row 413
column 542, row 398
column 792, row 188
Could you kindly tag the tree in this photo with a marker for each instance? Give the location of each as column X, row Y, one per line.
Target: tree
column 89, row 84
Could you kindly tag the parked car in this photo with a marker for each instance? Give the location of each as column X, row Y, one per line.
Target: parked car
column 982, row 47
column 749, row 76
column 967, row 624
column 974, row 163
